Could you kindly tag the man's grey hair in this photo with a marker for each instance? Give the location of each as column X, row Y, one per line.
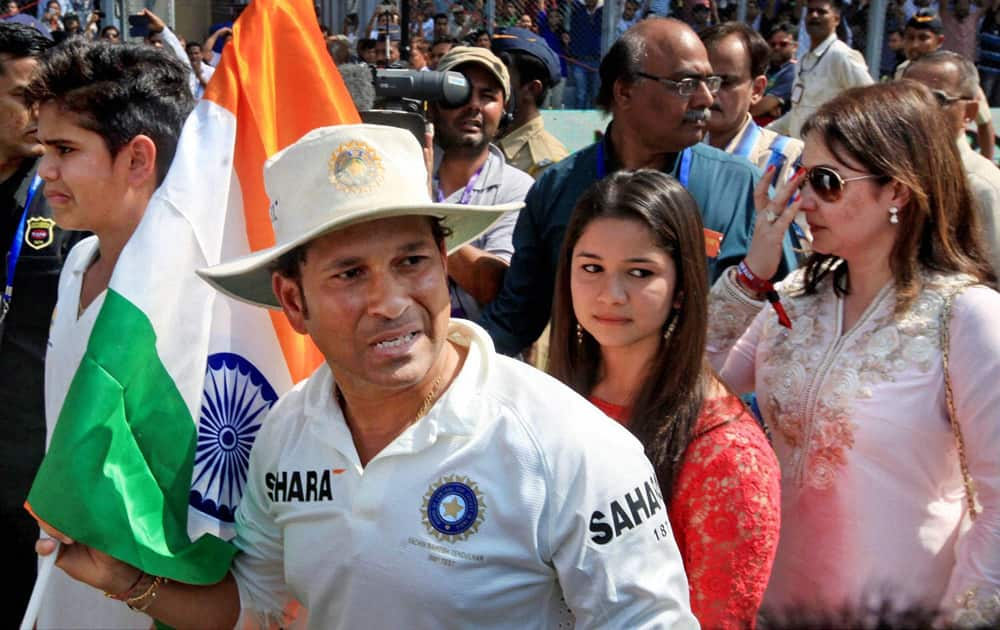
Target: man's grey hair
column 968, row 76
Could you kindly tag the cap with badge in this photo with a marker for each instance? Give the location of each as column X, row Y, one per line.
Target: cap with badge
column 516, row 39
column 926, row 20
column 338, row 176
column 461, row 55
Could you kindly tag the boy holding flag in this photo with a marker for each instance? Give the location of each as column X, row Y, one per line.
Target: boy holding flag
column 109, row 118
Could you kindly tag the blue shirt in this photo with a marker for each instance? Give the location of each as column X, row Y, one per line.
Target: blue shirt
column 721, row 184
column 585, row 32
column 779, row 84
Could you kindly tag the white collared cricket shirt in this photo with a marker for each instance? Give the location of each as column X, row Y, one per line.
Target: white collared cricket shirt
column 512, row 504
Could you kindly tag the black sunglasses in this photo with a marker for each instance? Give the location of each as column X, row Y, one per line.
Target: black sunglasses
column 829, row 184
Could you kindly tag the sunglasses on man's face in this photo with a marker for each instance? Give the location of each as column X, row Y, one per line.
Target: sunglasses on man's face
column 828, row 184
column 944, row 99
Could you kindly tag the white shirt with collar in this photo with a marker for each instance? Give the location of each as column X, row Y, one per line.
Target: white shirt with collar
column 820, row 75
column 510, row 504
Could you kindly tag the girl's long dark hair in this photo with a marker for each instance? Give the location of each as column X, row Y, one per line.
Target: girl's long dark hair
column 665, row 412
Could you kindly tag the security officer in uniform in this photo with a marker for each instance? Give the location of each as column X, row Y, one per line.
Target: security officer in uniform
column 33, row 253
column 534, row 69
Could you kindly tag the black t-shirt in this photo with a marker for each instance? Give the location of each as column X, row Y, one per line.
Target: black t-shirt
column 22, row 376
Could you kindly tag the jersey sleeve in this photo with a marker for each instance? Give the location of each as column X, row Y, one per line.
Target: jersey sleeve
column 608, row 535
column 259, row 567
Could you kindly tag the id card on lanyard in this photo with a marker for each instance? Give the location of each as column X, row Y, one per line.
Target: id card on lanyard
column 15, row 252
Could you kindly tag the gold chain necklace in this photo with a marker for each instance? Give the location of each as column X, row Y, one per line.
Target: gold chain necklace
column 424, row 406
column 429, row 401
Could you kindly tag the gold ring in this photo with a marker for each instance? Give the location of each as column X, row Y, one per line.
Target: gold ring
column 771, row 217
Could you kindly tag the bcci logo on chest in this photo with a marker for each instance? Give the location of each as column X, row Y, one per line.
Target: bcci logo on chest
column 453, row 508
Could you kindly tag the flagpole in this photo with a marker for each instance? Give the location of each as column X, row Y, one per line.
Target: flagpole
column 37, row 593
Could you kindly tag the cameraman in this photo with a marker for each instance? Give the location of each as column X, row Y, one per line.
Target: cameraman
column 470, row 169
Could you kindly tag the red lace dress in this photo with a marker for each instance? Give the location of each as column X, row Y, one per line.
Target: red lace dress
column 725, row 512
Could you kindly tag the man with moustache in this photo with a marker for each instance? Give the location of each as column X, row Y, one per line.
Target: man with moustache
column 470, row 169
column 35, row 250
column 658, row 85
column 739, row 55
column 829, row 68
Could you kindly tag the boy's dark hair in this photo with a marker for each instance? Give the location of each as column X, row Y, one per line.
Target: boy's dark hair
column 119, row 91
column 19, row 41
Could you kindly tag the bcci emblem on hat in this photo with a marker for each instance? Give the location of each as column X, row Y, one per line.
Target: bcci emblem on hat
column 453, row 509
column 355, row 168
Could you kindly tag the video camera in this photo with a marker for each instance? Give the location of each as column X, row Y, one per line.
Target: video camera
column 406, row 90
column 400, row 95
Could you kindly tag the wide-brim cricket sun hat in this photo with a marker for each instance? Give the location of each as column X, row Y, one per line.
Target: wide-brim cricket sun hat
column 334, row 177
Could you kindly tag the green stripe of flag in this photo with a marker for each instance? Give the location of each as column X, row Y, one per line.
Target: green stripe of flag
column 121, row 456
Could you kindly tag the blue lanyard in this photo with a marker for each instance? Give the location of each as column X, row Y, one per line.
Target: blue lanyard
column 15, row 248
column 467, row 193
column 683, row 170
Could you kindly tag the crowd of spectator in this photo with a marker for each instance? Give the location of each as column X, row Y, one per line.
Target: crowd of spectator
column 574, row 31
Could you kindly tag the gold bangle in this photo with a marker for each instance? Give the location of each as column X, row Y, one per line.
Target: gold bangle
column 125, row 594
column 150, row 594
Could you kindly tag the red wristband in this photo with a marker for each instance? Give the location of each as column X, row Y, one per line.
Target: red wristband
column 751, row 280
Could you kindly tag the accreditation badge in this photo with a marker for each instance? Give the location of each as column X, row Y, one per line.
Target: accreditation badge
column 713, row 243
column 797, row 90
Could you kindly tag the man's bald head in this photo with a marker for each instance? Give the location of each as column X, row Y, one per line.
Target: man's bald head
column 951, row 71
column 954, row 80
column 661, row 38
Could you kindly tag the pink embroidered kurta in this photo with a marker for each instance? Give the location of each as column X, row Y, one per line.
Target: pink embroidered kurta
column 873, row 500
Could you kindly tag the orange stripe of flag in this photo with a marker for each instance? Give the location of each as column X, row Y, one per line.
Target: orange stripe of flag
column 278, row 79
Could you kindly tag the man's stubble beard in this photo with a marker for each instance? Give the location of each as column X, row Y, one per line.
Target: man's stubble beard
column 456, row 144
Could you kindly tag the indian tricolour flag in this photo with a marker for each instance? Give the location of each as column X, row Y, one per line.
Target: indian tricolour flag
column 148, row 459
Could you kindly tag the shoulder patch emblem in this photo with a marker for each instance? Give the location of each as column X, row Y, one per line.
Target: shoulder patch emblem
column 39, row 232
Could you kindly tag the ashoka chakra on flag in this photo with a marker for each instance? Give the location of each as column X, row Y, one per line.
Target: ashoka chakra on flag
column 236, row 399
